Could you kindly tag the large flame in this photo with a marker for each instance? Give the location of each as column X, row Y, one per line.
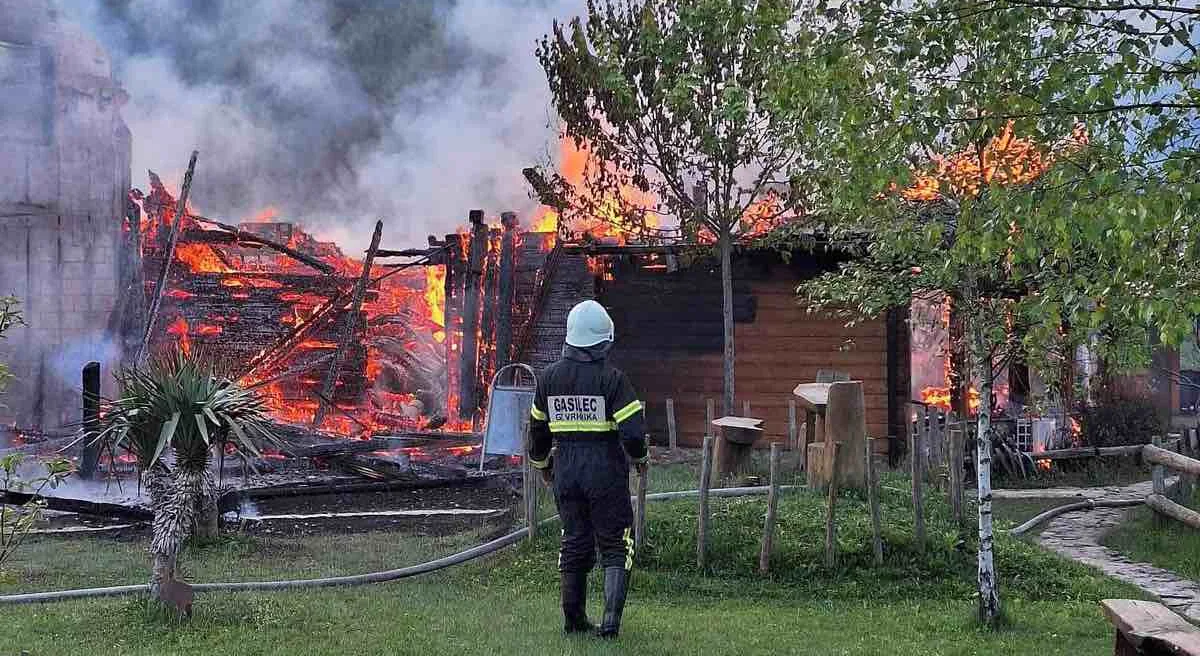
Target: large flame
column 1006, row 160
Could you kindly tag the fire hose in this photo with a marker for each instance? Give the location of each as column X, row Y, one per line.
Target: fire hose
column 459, row 558
column 1070, row 507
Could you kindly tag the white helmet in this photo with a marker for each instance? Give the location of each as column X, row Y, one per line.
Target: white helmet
column 588, row 324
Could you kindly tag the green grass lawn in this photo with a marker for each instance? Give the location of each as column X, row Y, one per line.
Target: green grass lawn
column 1175, row 547
column 508, row 604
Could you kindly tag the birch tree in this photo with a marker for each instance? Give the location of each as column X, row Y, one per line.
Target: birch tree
column 1044, row 155
column 680, row 101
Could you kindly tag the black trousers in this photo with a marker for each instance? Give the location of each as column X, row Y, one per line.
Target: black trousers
column 591, row 489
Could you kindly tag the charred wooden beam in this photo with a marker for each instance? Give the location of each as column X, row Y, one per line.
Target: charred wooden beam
column 91, row 421
column 407, row 252
column 504, row 295
column 349, row 328
column 487, row 326
column 169, row 255
column 455, row 275
column 469, row 355
column 81, row 506
column 242, row 235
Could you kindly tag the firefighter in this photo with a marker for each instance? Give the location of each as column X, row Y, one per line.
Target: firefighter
column 587, row 427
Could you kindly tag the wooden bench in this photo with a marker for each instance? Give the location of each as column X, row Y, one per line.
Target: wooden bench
column 1150, row 629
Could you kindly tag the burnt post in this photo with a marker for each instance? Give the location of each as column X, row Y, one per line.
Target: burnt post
column 169, row 254
column 90, row 458
column 452, row 316
column 486, row 363
column 504, row 296
column 469, row 357
column 349, row 327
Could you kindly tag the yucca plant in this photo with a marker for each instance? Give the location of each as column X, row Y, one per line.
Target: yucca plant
column 170, row 414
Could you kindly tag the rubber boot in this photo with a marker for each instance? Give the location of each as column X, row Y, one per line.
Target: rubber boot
column 574, row 602
column 616, row 583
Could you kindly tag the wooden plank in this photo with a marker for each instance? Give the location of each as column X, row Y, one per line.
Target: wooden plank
column 764, row 554
column 710, row 414
column 672, row 441
column 349, row 329
column 160, row 285
column 1158, row 473
column 1164, row 508
column 793, row 428
column 1147, row 624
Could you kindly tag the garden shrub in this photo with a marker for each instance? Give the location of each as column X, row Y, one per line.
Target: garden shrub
column 1120, row 422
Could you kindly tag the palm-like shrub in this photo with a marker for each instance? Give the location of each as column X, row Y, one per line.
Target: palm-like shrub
column 169, row 415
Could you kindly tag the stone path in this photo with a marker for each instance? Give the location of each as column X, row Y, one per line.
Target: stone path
column 1077, row 536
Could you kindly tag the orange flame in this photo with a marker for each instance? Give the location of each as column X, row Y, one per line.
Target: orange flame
column 179, row 328
column 1006, row 160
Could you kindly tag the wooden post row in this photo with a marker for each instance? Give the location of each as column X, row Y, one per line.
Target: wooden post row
column 702, row 522
column 764, row 555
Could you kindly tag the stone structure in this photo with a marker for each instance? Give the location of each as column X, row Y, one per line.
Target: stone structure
column 64, row 178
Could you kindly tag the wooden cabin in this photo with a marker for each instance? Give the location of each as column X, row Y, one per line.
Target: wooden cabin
column 666, row 304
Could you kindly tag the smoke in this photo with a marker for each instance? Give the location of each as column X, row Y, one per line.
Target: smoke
column 336, row 112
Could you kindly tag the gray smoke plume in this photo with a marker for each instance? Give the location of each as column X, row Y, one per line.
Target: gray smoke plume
column 336, row 112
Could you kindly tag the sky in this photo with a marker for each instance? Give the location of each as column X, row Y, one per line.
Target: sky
column 336, row 112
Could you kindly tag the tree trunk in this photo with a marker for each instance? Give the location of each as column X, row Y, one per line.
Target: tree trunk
column 989, row 596
column 209, row 524
column 727, row 317
column 173, row 522
column 157, row 481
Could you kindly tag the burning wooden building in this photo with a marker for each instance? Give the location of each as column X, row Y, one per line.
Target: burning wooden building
column 666, row 304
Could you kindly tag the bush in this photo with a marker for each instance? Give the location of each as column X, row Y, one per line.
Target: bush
column 1120, row 422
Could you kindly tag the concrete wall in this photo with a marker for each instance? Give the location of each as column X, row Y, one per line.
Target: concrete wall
column 64, row 175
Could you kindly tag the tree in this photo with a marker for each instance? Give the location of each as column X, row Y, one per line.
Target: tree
column 182, row 402
column 678, row 102
column 1070, row 203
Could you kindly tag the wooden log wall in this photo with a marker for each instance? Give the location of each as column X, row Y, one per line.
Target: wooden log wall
column 668, row 329
column 487, row 303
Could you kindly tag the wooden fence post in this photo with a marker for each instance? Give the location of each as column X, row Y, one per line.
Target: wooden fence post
column 764, row 556
column 1193, row 440
column 530, row 486
column 710, row 414
column 1159, row 475
column 831, row 510
column 745, row 408
column 793, row 428
column 639, row 527
column 672, row 439
column 873, row 500
column 918, row 476
column 954, row 439
column 702, row 523
column 810, row 437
